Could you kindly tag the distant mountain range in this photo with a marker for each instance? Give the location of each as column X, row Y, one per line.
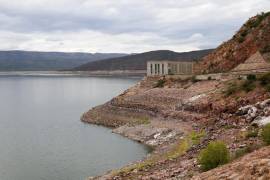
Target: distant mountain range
column 138, row 61
column 47, row 61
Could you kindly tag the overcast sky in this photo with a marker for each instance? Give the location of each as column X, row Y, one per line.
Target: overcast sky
column 129, row 26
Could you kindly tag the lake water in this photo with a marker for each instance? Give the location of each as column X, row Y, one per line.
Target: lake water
column 42, row 137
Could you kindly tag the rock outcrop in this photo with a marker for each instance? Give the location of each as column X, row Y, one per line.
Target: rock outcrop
column 252, row 37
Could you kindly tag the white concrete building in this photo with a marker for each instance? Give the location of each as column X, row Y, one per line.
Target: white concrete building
column 160, row 68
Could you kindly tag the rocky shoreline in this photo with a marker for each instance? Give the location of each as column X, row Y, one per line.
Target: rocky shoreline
column 178, row 120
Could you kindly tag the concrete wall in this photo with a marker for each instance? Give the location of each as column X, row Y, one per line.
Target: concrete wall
column 181, row 67
column 160, row 68
column 157, row 68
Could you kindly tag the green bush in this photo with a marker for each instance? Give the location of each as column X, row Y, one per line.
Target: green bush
column 251, row 77
column 215, row 154
column 265, row 79
column 266, row 134
column 160, row 83
column 252, row 133
column 248, row 86
column 196, row 136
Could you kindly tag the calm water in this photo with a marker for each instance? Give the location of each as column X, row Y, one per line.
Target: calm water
column 42, row 137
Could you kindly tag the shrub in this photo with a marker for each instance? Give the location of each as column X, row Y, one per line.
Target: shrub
column 265, row 79
column 215, row 154
column 193, row 79
column 241, row 39
column 251, row 77
column 160, row 83
column 209, row 78
column 266, row 134
column 252, row 133
column 248, row 86
column 244, row 33
column 196, row 137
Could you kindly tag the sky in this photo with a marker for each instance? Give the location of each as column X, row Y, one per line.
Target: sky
column 122, row 26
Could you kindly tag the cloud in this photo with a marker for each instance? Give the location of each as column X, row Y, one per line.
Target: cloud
column 122, row 25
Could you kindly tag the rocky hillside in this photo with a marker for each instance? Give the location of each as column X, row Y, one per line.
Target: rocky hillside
column 138, row 61
column 253, row 36
column 179, row 117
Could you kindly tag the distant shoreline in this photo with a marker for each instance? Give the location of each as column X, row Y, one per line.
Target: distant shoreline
column 139, row 73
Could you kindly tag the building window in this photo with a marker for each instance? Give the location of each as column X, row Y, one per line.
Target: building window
column 151, row 68
column 158, row 68
column 155, row 68
column 162, row 66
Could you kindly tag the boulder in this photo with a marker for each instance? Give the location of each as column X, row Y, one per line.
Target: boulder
column 264, row 103
column 244, row 110
column 261, row 121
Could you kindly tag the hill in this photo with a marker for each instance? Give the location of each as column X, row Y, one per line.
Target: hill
column 138, row 61
column 253, row 36
column 47, row 61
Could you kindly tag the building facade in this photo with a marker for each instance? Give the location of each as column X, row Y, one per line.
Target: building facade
column 160, row 68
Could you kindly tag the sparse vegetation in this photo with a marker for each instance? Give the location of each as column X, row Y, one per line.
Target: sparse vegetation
column 265, row 79
column 251, row 77
column 143, row 120
column 242, row 151
column 248, row 85
column 241, row 39
column 266, row 134
column 196, row 137
column 215, row 154
column 239, row 153
column 193, row 138
column 253, row 23
column 160, row 83
column 231, row 89
column 252, row 133
column 178, row 150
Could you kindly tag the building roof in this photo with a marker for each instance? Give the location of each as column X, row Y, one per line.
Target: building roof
column 254, row 62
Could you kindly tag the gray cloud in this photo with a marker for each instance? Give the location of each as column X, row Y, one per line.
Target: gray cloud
column 122, row 26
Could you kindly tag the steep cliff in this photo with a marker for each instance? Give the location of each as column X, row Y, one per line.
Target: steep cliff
column 253, row 36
